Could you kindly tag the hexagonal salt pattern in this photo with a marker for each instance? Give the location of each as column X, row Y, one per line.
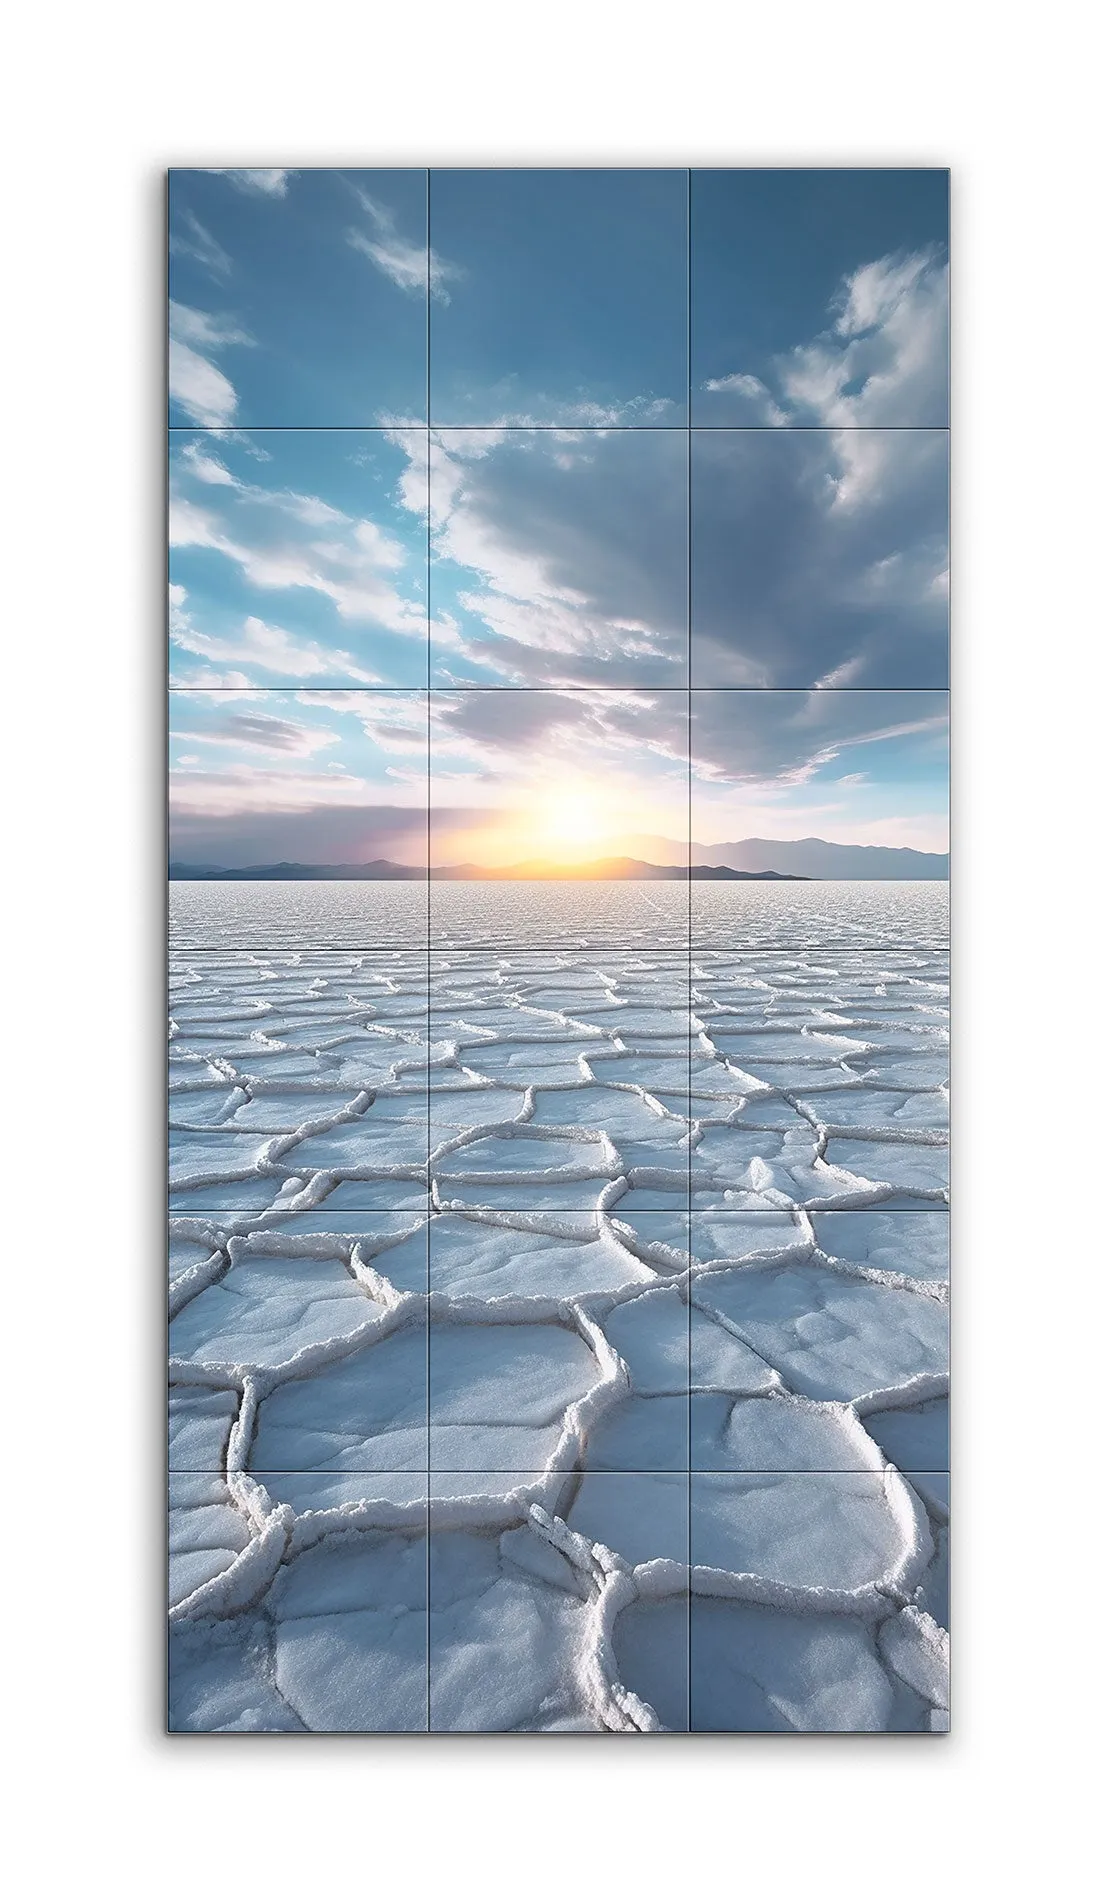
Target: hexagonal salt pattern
column 667, row 1472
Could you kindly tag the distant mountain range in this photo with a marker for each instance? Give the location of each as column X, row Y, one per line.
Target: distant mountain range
column 804, row 857
column 601, row 869
column 748, row 859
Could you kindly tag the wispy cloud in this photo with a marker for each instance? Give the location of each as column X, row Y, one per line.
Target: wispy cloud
column 267, row 181
column 254, row 642
column 405, row 262
column 881, row 360
column 754, row 395
column 191, row 239
column 262, row 732
column 787, row 738
column 282, row 538
column 203, row 329
column 203, row 391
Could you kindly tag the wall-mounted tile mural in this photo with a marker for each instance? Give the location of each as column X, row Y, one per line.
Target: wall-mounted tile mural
column 558, row 720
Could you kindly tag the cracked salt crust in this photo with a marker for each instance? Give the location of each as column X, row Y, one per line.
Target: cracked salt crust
column 528, row 1244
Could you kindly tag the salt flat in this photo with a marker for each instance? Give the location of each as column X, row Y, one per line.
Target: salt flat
column 558, row 1314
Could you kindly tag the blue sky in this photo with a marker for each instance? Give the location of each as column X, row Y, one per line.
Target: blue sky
column 565, row 300
column 816, row 298
column 798, row 534
column 298, row 299
column 819, row 297
column 295, row 558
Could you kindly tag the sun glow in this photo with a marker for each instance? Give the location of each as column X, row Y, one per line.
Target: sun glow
column 571, row 822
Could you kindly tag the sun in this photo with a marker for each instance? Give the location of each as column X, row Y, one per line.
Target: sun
column 570, row 822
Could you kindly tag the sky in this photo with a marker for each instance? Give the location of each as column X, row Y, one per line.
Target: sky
column 335, row 776
column 819, row 298
column 544, row 545
column 298, row 299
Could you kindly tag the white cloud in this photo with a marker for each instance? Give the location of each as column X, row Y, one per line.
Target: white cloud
column 348, row 568
column 198, row 386
column 784, row 739
column 754, row 394
column 875, row 292
column 406, row 263
column 256, row 643
column 881, row 361
column 843, row 675
column 205, row 466
column 268, row 181
column 232, row 685
column 202, row 329
column 203, row 391
column 191, row 239
column 884, row 359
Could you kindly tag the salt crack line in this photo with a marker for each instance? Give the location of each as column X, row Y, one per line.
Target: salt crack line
column 918, row 1651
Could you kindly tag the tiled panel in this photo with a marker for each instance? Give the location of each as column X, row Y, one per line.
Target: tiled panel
column 351, row 1406
column 547, row 1255
column 892, row 1247
column 770, row 769
column 832, row 1089
column 558, row 297
column 559, row 557
column 734, row 922
column 298, row 1343
column 837, row 1332
column 298, row 558
column 538, row 786
column 645, row 1427
column 298, row 1082
column 819, row 298
column 818, row 1341
column 818, row 557
column 538, row 1072
column 298, row 782
column 644, row 1518
column 332, row 1637
column 473, row 913
column 283, row 1291
column 509, row 1620
column 233, row 920
column 808, row 1604
column 298, row 298
column 571, row 1621
column 511, row 1391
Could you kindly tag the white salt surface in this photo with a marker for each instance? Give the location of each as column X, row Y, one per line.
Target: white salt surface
column 546, row 1353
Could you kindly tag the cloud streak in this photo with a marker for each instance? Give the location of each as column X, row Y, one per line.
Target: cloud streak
column 204, row 391
column 411, row 267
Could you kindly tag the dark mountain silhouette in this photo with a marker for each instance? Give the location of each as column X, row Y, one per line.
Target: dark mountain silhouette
column 803, row 857
column 600, row 869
